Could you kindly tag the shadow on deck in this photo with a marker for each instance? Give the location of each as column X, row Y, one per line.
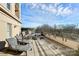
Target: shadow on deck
column 11, row 52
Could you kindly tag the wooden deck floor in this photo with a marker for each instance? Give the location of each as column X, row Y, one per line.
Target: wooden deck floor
column 39, row 48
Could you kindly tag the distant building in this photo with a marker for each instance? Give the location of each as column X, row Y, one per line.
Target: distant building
column 27, row 30
column 10, row 21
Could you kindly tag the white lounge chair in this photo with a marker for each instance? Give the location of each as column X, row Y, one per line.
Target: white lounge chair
column 15, row 46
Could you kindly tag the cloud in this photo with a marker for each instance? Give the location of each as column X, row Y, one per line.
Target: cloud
column 33, row 5
column 57, row 8
column 43, row 6
column 52, row 9
column 56, row 4
column 64, row 11
column 67, row 11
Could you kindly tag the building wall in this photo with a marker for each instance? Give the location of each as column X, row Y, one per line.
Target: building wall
column 65, row 41
column 5, row 19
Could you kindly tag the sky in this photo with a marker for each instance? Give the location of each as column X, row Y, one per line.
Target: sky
column 37, row 14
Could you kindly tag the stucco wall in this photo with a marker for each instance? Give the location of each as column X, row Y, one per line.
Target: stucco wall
column 4, row 19
column 67, row 42
column 2, row 30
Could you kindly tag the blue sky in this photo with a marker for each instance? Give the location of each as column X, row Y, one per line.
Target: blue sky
column 37, row 14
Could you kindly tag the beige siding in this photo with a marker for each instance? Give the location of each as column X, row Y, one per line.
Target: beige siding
column 5, row 18
column 2, row 30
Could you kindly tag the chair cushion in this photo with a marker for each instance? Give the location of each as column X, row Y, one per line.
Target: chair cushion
column 12, row 42
column 23, row 47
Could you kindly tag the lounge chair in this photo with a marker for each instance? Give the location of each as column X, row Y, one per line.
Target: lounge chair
column 15, row 46
column 21, row 39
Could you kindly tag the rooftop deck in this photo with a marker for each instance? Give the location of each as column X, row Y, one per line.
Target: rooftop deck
column 40, row 47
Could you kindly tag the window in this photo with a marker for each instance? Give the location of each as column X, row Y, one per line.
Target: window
column 9, row 30
column 17, row 10
column 8, row 6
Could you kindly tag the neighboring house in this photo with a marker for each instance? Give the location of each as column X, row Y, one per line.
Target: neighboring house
column 10, row 21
